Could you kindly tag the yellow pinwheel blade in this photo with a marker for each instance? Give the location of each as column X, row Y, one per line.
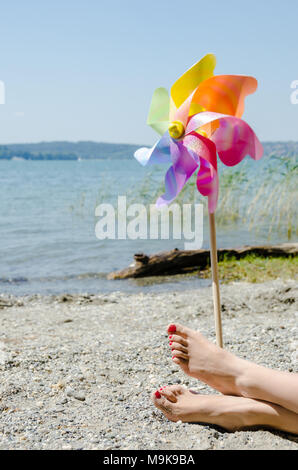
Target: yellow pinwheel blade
column 158, row 117
column 191, row 79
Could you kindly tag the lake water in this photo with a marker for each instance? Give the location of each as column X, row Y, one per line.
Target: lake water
column 47, row 226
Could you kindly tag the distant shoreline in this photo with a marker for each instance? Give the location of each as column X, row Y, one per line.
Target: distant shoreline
column 56, row 158
column 67, row 151
column 88, row 150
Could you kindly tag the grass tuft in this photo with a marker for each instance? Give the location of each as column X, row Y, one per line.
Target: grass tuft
column 253, row 268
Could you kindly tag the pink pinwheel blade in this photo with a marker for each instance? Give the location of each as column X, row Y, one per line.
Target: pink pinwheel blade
column 207, row 184
column 234, row 139
column 207, row 178
column 181, row 113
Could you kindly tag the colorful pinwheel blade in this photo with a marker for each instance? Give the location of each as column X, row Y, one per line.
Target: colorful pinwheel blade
column 225, row 94
column 190, row 80
column 159, row 153
column 177, row 175
column 234, row 138
column 181, row 114
column 158, row 117
column 207, row 184
column 207, row 178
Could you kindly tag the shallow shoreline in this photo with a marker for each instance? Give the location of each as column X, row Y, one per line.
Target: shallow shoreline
column 77, row 371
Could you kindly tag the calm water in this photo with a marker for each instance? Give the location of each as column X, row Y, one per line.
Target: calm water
column 47, row 223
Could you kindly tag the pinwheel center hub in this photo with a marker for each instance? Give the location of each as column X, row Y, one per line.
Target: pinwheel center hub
column 176, row 129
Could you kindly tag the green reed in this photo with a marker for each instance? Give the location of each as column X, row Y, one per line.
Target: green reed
column 276, row 198
column 257, row 197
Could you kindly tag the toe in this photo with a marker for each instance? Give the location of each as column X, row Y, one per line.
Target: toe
column 178, row 330
column 176, row 353
column 176, row 389
column 165, row 405
column 171, row 328
column 178, row 339
column 183, row 363
column 178, row 347
column 157, row 397
column 161, row 401
column 167, row 392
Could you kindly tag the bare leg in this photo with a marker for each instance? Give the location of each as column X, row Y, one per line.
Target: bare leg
column 229, row 374
column 230, row 412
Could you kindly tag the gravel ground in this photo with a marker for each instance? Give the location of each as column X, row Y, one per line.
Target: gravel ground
column 77, row 371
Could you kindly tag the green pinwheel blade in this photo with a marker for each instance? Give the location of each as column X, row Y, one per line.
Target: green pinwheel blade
column 158, row 117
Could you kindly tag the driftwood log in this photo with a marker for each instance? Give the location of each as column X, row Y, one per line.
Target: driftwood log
column 185, row 261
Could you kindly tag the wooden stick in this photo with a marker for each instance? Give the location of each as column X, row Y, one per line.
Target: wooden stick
column 215, row 281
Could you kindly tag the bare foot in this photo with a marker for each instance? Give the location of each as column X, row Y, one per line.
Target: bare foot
column 230, row 412
column 179, row 404
column 205, row 361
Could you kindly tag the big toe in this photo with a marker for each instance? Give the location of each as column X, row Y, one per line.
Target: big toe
column 165, row 405
column 178, row 329
column 160, row 400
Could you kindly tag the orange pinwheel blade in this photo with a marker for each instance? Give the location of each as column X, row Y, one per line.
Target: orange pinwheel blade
column 225, row 94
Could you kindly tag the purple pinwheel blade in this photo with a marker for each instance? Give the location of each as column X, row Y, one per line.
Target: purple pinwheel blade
column 184, row 165
column 159, row 153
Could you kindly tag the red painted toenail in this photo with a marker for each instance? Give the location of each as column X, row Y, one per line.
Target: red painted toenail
column 173, row 357
column 172, row 329
column 170, row 337
column 157, row 394
column 170, row 343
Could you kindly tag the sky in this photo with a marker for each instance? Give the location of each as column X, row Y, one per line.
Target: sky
column 86, row 69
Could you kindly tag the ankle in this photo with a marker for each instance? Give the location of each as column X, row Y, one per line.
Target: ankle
column 237, row 371
column 231, row 413
column 245, row 383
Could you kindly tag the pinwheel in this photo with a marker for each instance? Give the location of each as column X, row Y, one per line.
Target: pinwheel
column 200, row 120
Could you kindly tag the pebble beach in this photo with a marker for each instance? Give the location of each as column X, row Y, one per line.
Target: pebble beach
column 77, row 371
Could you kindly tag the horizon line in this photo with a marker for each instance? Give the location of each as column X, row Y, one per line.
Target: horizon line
column 116, row 143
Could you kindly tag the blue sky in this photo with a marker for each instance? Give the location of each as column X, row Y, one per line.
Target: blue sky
column 86, row 69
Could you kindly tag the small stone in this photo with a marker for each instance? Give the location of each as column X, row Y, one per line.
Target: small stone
column 69, row 391
column 58, row 409
column 63, row 401
column 59, row 386
column 79, row 396
column 176, row 381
